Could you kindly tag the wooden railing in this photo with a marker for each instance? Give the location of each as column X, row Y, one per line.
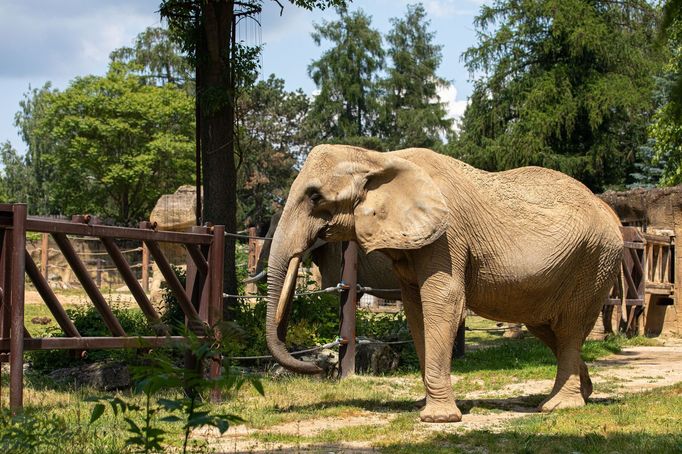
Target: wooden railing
column 647, row 269
column 200, row 300
column 659, row 259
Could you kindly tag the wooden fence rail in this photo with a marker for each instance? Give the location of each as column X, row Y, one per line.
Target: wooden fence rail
column 200, row 299
column 647, row 270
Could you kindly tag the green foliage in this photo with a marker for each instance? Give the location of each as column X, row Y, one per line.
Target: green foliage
column 666, row 129
column 88, row 322
column 108, row 145
column 359, row 105
column 31, row 434
column 346, row 76
column 172, row 315
column 314, row 320
column 162, row 374
column 648, row 167
column 117, row 144
column 157, row 59
column 270, row 144
column 16, row 181
column 561, row 84
column 37, row 186
column 413, row 115
column 382, row 326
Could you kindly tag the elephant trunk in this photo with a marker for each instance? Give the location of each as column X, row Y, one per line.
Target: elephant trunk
column 282, row 276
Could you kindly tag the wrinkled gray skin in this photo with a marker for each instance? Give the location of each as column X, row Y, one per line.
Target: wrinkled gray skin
column 528, row 245
column 374, row 270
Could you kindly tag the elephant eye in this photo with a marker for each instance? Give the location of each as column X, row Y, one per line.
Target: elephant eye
column 315, row 198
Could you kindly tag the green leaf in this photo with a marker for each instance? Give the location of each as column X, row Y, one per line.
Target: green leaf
column 97, row 412
column 170, row 418
column 134, row 428
column 258, row 385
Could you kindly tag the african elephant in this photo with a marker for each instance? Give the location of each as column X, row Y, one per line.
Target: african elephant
column 375, row 270
column 528, row 245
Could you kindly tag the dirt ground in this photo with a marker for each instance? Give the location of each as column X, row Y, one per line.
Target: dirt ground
column 634, row 369
column 75, row 297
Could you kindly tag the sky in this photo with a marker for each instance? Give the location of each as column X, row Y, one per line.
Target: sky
column 56, row 41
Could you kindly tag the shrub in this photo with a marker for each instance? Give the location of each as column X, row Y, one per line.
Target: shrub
column 89, row 322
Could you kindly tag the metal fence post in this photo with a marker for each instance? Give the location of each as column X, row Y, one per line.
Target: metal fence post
column 16, row 355
column 349, row 300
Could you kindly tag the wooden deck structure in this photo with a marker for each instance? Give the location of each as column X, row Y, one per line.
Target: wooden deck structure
column 646, row 285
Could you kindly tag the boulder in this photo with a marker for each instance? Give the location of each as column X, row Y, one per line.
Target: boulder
column 106, row 376
column 177, row 211
column 375, row 357
column 513, row 331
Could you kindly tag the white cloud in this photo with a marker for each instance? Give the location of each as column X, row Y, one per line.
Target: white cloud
column 66, row 39
column 449, row 8
column 455, row 108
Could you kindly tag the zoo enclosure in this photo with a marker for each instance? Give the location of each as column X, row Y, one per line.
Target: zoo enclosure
column 54, row 267
column 200, row 300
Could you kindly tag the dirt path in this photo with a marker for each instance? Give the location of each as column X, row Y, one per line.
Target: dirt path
column 634, row 369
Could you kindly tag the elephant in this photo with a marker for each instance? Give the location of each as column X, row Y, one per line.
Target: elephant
column 528, row 245
column 374, row 271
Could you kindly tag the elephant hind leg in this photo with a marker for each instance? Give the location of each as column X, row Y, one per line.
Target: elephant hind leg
column 567, row 382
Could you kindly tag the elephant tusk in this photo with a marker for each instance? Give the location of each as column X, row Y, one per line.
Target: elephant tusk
column 256, row 277
column 287, row 288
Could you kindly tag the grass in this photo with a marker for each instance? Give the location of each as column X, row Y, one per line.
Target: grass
column 640, row 423
column 637, row 423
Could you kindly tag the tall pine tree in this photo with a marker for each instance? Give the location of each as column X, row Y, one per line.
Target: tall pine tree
column 414, row 116
column 565, row 84
column 346, row 108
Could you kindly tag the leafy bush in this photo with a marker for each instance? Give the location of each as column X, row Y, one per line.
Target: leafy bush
column 160, row 373
column 89, row 322
column 314, row 320
column 172, row 315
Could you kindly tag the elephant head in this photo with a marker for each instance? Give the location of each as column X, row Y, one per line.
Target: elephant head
column 342, row 193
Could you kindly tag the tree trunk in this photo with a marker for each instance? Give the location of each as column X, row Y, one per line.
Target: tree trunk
column 215, row 90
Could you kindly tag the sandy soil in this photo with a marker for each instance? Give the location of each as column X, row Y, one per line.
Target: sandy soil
column 74, row 297
column 635, row 369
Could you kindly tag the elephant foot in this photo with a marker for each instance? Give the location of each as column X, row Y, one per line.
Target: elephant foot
column 585, row 382
column 420, row 403
column 562, row 400
column 586, row 388
column 440, row 413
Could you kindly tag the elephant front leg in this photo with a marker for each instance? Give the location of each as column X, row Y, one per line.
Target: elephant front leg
column 442, row 306
column 412, row 306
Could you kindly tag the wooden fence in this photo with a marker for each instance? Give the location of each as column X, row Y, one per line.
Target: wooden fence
column 200, row 299
column 646, row 280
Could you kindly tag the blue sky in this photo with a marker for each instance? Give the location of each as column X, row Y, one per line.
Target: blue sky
column 51, row 40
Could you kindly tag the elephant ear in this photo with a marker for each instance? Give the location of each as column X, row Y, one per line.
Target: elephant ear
column 402, row 207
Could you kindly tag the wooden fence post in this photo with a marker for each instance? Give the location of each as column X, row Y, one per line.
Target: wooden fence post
column 17, row 269
column 145, row 267
column 43, row 255
column 349, row 298
column 251, row 288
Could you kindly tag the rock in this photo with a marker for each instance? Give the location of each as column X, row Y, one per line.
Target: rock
column 177, row 211
column 327, row 359
column 102, row 376
column 371, row 357
column 375, row 357
column 514, row 331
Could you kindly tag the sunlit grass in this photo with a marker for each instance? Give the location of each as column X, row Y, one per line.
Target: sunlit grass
column 634, row 423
